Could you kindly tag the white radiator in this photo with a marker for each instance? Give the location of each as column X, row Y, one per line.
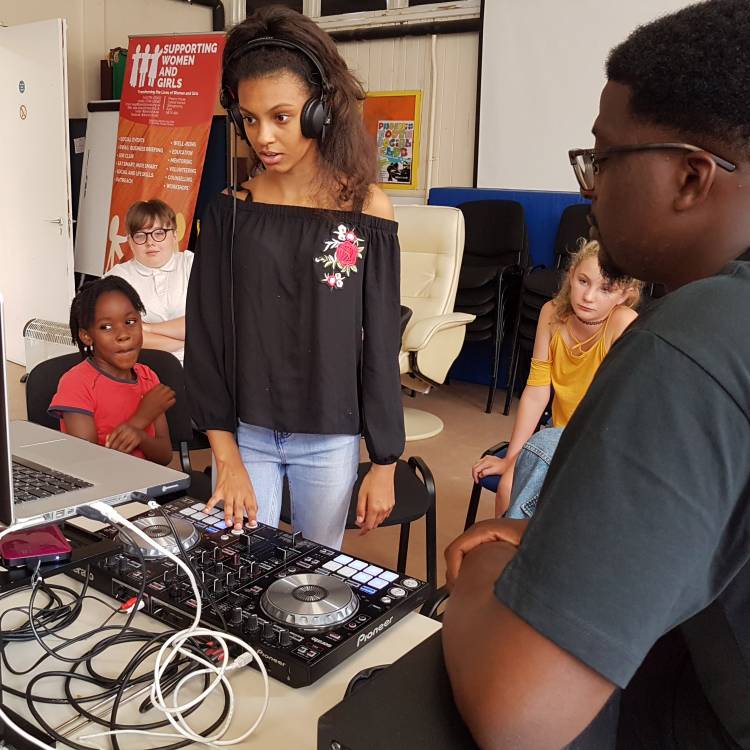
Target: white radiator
column 45, row 339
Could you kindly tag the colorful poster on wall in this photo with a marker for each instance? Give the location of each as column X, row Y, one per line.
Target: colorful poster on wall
column 392, row 117
column 168, row 99
column 395, row 151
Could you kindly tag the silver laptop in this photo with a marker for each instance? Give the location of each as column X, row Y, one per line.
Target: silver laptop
column 46, row 474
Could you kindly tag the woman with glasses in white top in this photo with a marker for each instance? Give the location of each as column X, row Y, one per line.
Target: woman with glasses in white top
column 159, row 272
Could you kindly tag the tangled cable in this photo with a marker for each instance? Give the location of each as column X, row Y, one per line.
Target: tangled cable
column 179, row 660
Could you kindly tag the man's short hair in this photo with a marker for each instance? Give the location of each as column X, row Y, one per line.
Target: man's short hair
column 144, row 213
column 690, row 71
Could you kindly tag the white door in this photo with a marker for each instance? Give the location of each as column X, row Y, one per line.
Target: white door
column 36, row 240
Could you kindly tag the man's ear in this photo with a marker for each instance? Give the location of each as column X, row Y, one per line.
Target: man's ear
column 696, row 180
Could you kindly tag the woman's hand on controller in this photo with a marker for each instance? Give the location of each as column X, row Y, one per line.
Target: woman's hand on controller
column 235, row 490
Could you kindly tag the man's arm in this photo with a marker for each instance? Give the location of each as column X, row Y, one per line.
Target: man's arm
column 630, row 539
column 514, row 687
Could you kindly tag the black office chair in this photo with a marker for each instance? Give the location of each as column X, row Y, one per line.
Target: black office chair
column 415, row 497
column 541, row 284
column 495, row 254
column 41, row 386
column 487, row 483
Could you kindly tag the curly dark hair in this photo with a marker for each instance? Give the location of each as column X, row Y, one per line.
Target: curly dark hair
column 348, row 150
column 690, row 70
column 83, row 307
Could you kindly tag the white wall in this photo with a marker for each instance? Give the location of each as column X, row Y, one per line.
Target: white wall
column 96, row 26
column 403, row 64
column 542, row 73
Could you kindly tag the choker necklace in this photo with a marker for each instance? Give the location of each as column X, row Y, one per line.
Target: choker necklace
column 590, row 322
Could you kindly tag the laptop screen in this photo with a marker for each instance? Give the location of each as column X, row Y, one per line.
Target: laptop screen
column 6, row 476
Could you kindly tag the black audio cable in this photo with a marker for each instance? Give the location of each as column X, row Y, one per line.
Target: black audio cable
column 53, row 616
column 186, row 559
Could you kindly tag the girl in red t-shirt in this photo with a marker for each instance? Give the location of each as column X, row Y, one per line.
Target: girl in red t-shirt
column 110, row 398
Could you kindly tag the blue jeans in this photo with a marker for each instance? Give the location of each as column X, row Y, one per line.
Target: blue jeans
column 531, row 469
column 321, row 471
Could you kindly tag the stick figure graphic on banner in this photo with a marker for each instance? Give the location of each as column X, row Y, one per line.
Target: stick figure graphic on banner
column 134, row 69
column 154, row 67
column 143, row 67
column 114, row 251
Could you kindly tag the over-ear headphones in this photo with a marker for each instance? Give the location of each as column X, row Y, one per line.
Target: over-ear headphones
column 316, row 113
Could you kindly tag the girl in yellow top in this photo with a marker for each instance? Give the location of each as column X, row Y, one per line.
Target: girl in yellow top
column 574, row 333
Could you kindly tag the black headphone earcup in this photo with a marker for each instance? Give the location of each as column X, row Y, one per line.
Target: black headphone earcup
column 233, row 110
column 314, row 118
column 225, row 96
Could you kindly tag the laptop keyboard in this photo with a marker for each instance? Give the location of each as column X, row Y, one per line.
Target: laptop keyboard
column 33, row 482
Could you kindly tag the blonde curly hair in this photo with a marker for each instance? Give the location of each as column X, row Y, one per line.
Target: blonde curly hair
column 590, row 249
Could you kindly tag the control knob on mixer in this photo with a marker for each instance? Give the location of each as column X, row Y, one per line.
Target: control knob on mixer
column 251, row 626
column 268, row 630
column 236, row 616
column 284, row 637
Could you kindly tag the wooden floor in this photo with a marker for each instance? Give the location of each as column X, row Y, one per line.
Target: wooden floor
column 468, row 431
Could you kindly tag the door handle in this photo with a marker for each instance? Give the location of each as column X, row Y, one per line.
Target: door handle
column 57, row 221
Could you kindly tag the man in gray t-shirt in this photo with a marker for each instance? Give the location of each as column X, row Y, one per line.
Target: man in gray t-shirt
column 630, row 588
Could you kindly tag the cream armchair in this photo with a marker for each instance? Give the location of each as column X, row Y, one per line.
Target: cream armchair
column 432, row 246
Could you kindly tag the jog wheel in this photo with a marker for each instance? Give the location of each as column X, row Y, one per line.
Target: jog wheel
column 309, row 601
column 158, row 529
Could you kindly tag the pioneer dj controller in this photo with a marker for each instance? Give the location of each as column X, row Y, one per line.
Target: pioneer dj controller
column 304, row 607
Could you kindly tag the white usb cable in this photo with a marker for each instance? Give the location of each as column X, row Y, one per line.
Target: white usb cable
column 171, row 648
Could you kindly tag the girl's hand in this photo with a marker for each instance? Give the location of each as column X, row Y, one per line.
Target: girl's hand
column 504, row 489
column 160, row 398
column 125, row 438
column 488, row 466
column 377, row 496
column 235, row 490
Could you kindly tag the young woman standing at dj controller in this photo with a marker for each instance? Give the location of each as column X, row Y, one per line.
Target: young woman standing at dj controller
column 293, row 318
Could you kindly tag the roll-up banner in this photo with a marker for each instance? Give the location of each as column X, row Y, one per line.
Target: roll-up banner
column 168, row 99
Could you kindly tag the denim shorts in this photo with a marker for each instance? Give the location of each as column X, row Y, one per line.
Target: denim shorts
column 531, row 470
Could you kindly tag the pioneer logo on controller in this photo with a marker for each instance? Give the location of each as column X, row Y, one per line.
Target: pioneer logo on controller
column 364, row 637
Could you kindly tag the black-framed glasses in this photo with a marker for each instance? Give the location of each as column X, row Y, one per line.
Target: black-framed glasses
column 586, row 161
column 157, row 235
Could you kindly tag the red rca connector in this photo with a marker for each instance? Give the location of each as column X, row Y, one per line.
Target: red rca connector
column 215, row 654
column 127, row 606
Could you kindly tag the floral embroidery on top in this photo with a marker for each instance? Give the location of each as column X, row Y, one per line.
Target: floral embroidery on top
column 341, row 255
